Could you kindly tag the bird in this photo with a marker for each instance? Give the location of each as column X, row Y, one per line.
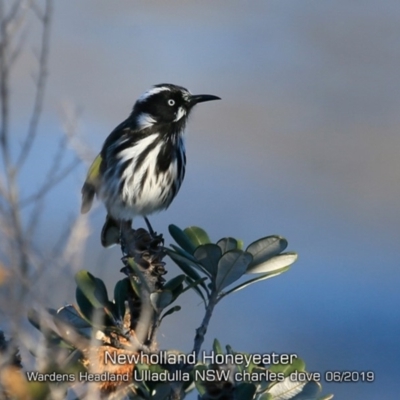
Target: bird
column 141, row 165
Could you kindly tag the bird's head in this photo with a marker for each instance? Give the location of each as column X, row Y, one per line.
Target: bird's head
column 166, row 104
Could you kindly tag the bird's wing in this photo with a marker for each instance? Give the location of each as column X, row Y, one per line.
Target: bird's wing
column 91, row 184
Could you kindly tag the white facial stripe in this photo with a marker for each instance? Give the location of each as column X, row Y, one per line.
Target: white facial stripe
column 181, row 113
column 152, row 91
column 145, row 120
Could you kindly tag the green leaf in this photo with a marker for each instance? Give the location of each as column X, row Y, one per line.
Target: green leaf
column 254, row 280
column 34, row 318
column 208, row 256
column 176, row 286
column 70, row 315
column 310, row 391
column 183, row 253
column 265, row 396
column 227, row 244
column 121, row 294
column 217, row 347
column 286, row 389
column 273, row 264
column 199, row 384
column 327, row 397
column 175, row 282
column 181, row 238
column 135, row 286
column 197, row 236
column 162, row 392
column 191, row 274
column 245, row 391
column 170, row 311
column 84, row 304
column 160, row 300
column 93, row 288
column 182, row 261
column 41, row 323
column 229, row 349
column 231, row 267
column 265, row 248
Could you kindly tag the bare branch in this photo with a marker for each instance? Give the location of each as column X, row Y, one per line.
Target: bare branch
column 4, row 92
column 40, row 87
column 38, row 11
column 14, row 21
column 70, row 117
column 74, row 249
column 12, row 14
column 17, row 50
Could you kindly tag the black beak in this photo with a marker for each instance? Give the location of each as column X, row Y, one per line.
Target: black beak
column 200, row 98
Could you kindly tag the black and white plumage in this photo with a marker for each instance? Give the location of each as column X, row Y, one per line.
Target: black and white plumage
column 142, row 163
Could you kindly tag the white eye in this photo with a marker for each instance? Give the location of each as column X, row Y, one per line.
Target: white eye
column 171, row 102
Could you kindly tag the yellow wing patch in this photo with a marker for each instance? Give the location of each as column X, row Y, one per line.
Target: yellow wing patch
column 91, row 184
column 93, row 174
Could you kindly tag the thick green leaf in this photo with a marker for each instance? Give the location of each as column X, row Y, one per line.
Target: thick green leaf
column 227, row 244
column 254, row 280
column 160, row 300
column 273, row 264
column 245, row 391
column 162, row 392
column 70, row 315
column 84, row 304
column 310, row 391
column 93, row 288
column 175, row 285
column 217, row 347
column 231, row 267
column 265, row 248
column 181, row 238
column 41, row 323
column 327, row 397
column 181, row 260
column 170, row 311
column 199, row 384
column 175, row 282
column 208, row 256
column 34, row 318
column 229, row 349
column 135, row 286
column 183, row 253
column 197, row 236
column 71, row 324
column 286, row 389
column 121, row 294
column 265, row 396
column 189, row 271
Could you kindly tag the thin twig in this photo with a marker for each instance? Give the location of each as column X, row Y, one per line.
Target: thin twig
column 40, row 87
column 12, row 14
column 17, row 49
column 4, row 92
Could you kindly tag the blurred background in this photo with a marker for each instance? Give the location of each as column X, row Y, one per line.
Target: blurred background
column 305, row 143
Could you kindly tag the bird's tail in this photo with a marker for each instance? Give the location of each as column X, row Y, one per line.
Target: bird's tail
column 110, row 234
